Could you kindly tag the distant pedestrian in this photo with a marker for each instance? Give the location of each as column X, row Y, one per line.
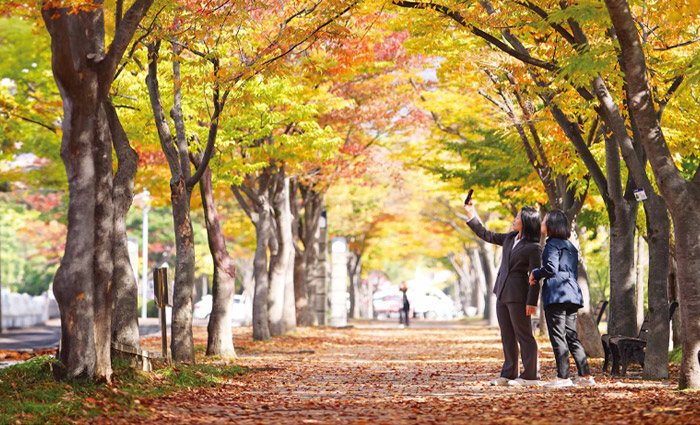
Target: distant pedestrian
column 405, row 305
column 516, row 299
column 561, row 297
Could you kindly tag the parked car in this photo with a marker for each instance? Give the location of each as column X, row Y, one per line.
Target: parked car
column 387, row 304
column 432, row 304
column 241, row 312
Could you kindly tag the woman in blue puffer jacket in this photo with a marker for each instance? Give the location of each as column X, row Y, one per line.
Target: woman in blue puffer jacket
column 561, row 297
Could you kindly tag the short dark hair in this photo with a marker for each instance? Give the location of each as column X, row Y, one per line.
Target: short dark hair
column 557, row 225
column 531, row 224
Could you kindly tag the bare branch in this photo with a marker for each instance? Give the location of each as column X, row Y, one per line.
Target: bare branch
column 674, row 46
column 253, row 216
column 122, row 36
column 49, row 127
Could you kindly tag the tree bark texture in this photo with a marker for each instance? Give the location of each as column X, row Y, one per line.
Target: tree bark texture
column 125, row 326
column 279, row 257
column 287, row 253
column 219, row 333
column 306, row 231
column 261, row 328
column 83, row 71
column 181, row 343
column 258, row 208
column 681, row 195
column 658, row 232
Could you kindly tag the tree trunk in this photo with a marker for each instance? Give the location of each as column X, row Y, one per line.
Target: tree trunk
column 639, row 281
column 586, row 325
column 305, row 233
column 301, row 291
column 658, row 233
column 73, row 36
column 220, row 336
column 181, row 345
column 284, row 222
column 681, row 195
column 673, row 296
column 354, row 272
column 480, row 283
column 622, row 319
column 487, row 264
column 125, row 325
column 261, row 329
column 103, row 264
column 74, row 283
column 687, row 233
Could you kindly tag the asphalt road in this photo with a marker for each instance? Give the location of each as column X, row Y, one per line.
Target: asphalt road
column 48, row 335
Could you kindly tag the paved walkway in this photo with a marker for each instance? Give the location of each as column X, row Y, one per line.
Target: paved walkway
column 373, row 375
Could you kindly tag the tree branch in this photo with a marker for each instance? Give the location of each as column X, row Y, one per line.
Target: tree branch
column 457, row 17
column 164, row 133
column 122, row 36
column 49, row 127
column 253, row 216
column 544, row 15
column 669, row 94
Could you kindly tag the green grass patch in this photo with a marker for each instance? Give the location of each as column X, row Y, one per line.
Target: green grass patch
column 31, row 394
column 675, row 355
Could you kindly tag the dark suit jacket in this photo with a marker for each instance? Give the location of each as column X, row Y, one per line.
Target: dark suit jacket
column 512, row 284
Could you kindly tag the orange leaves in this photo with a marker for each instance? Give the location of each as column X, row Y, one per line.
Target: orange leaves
column 375, row 373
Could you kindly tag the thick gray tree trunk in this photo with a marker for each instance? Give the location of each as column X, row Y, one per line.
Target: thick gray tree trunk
column 125, row 325
column 287, row 254
column 681, row 195
column 261, row 327
column 83, row 71
column 305, row 232
column 658, row 232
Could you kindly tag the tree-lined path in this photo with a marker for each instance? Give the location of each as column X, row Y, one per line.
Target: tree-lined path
column 391, row 376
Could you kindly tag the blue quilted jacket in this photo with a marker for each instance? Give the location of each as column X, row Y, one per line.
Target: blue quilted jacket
column 560, row 271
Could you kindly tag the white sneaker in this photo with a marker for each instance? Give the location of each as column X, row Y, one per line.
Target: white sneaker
column 559, row 383
column 524, row 382
column 584, row 381
column 500, row 381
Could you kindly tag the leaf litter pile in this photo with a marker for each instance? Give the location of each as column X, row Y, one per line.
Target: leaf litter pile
column 394, row 376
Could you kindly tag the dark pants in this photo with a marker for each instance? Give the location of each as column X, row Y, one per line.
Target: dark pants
column 403, row 316
column 516, row 329
column 561, row 321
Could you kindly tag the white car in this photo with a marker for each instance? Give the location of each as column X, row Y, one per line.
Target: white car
column 241, row 312
column 433, row 305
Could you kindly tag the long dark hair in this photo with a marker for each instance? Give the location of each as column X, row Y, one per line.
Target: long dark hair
column 557, row 225
column 531, row 224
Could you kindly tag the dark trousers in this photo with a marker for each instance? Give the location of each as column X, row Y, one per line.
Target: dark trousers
column 403, row 316
column 516, row 329
column 561, row 321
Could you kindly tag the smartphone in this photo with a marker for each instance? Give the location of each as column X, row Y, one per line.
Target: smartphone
column 469, row 196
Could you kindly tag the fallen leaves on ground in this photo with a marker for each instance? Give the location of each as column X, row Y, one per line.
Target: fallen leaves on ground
column 396, row 376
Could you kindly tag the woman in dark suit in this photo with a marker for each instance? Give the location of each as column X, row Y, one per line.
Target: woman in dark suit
column 516, row 298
